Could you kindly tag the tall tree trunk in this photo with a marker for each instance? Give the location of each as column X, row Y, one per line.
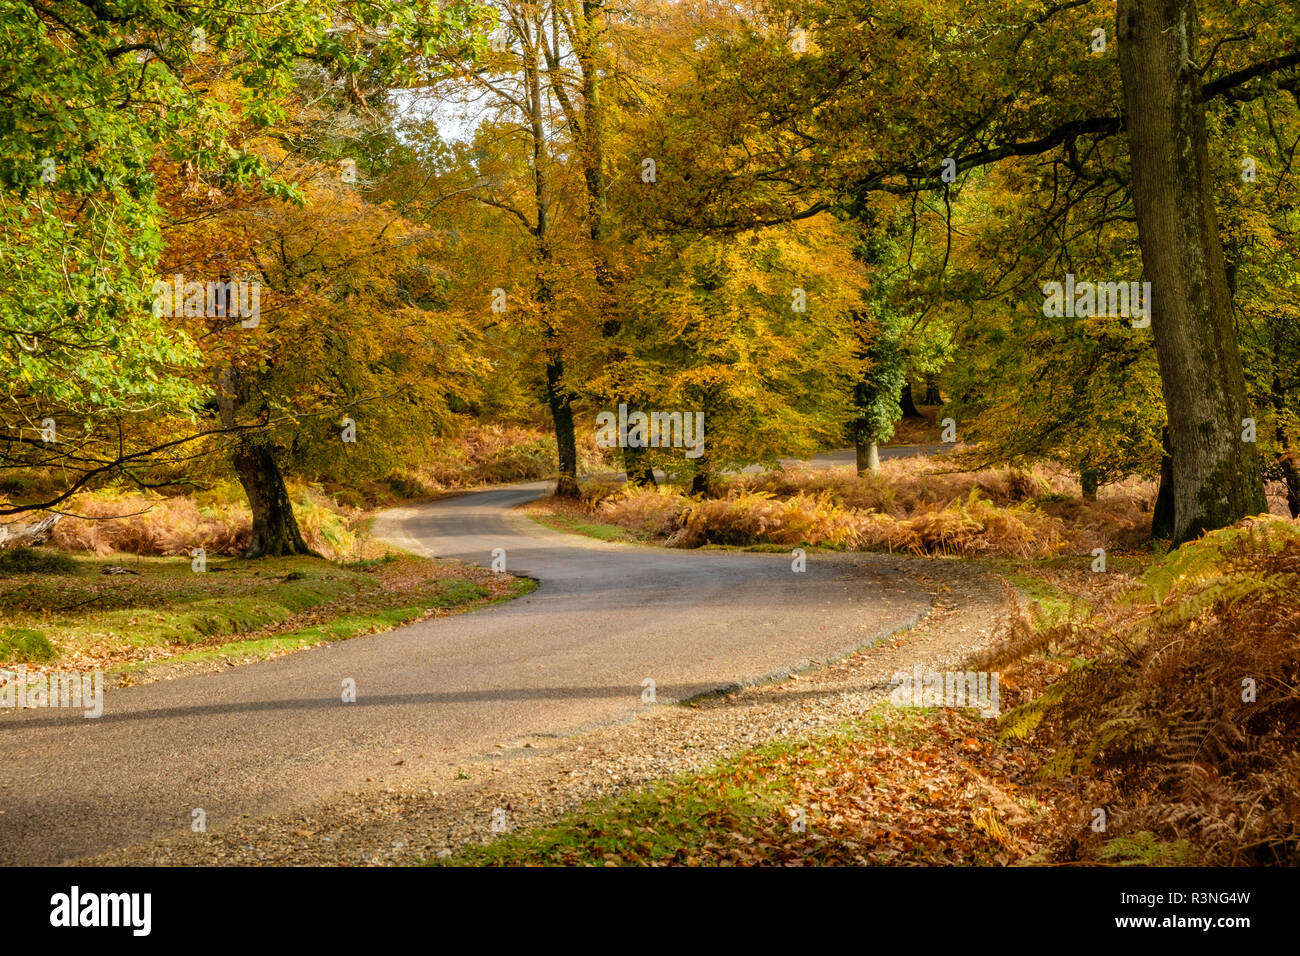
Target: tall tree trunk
column 906, row 403
column 1216, row 475
column 587, row 26
column 584, row 25
column 561, row 403
column 702, row 480
column 637, row 467
column 1286, row 457
column 1287, row 465
column 932, row 396
column 275, row 528
column 558, row 398
column 1088, row 480
column 593, row 126
column 868, row 456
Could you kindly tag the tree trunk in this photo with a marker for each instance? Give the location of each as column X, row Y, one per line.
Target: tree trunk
column 558, row 398
column 15, row 535
column 639, row 472
column 868, row 455
column 1291, row 477
column 588, row 28
column 906, row 404
column 585, row 27
column 561, row 403
column 1088, row 480
column 701, row 481
column 1286, row 457
column 275, row 529
column 586, row 49
column 1217, row 478
column 1162, row 515
column 932, row 396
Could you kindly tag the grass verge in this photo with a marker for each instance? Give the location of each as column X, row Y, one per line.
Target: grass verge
column 898, row 787
column 551, row 517
column 158, row 613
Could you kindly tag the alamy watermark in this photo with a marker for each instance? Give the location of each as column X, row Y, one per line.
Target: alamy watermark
column 978, row 689
column 226, row 298
column 18, row 690
column 651, row 430
column 130, row 910
column 1070, row 299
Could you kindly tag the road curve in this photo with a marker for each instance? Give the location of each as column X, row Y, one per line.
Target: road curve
column 270, row 736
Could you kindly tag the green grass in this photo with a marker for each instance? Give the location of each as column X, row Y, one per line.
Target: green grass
column 166, row 602
column 1054, row 602
column 456, row 593
column 1033, row 581
column 659, row 823
column 599, row 530
column 235, row 610
column 22, row 645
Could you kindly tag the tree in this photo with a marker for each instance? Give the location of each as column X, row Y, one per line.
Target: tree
column 1216, row 473
column 1005, row 83
column 875, row 396
column 348, row 361
column 1078, row 389
column 99, row 100
column 582, row 102
column 517, row 78
column 754, row 330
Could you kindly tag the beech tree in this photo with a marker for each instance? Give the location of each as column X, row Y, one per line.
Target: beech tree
column 1029, row 80
column 1216, row 472
column 99, row 100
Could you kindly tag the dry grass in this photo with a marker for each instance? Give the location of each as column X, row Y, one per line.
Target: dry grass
column 915, row 505
column 109, row 520
column 218, row 521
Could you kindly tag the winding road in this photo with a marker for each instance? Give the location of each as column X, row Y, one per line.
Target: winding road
column 273, row 735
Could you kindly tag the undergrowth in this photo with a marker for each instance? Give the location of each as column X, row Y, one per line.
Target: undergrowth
column 1178, row 713
column 913, row 506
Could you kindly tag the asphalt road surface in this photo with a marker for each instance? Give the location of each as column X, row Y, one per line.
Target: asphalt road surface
column 269, row 736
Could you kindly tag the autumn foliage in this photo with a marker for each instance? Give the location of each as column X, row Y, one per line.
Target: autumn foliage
column 1180, row 713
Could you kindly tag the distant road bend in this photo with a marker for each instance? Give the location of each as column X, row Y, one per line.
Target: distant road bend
column 270, row 736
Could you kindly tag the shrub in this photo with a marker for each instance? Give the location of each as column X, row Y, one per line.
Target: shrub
column 495, row 454
column 820, row 519
column 644, row 511
column 35, row 561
